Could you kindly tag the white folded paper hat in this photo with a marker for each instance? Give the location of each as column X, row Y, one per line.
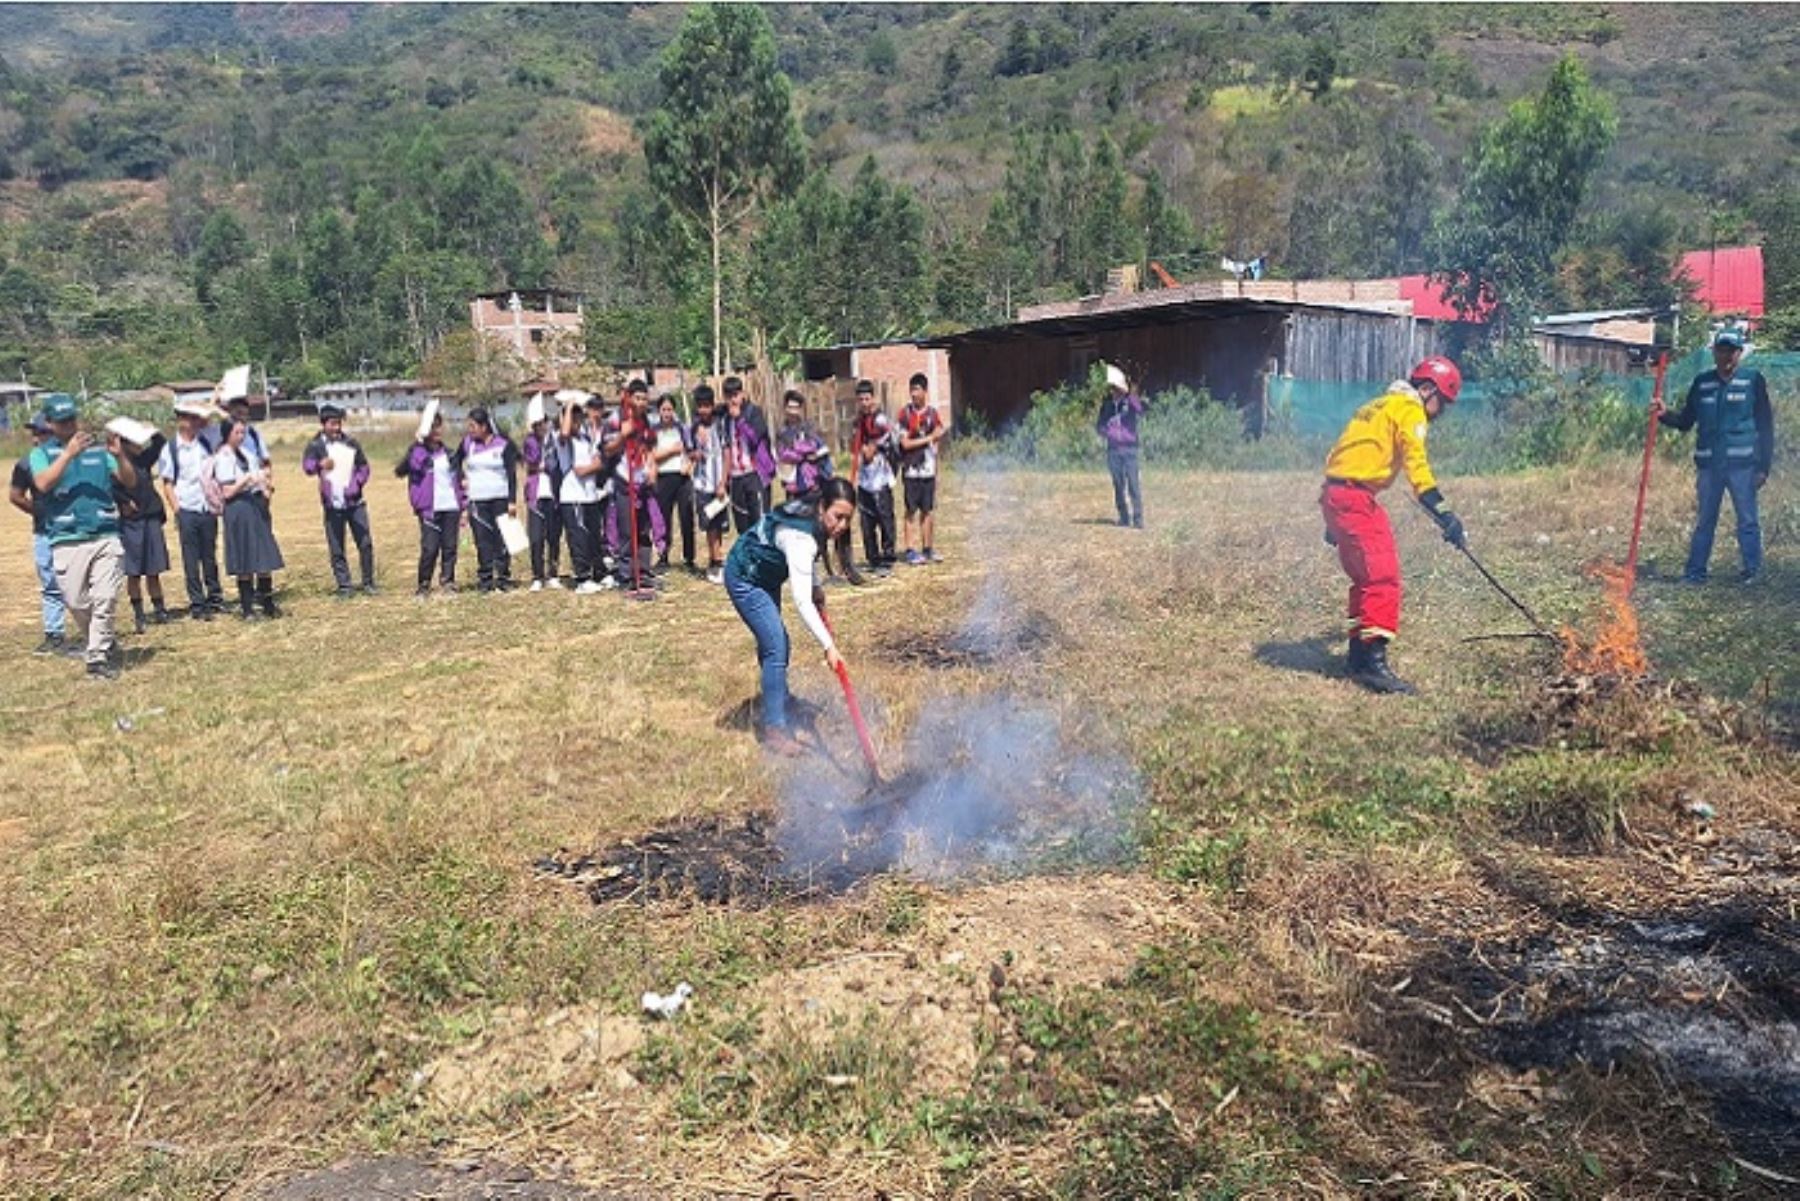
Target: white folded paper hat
column 1115, row 378
column 204, row 410
column 133, row 431
column 428, row 418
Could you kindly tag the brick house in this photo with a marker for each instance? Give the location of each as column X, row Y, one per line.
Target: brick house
column 543, row 326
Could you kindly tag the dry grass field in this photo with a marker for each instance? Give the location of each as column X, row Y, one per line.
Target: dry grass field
column 269, row 901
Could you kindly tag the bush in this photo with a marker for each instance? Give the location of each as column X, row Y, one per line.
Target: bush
column 1183, row 427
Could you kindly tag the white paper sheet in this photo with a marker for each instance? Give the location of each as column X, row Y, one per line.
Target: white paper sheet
column 512, row 531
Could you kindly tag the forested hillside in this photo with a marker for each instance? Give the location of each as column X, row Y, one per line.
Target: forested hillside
column 319, row 187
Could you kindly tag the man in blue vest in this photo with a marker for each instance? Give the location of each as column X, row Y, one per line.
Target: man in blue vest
column 74, row 481
column 1734, row 448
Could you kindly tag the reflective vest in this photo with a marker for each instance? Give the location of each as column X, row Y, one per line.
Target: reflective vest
column 1725, row 420
column 756, row 559
column 81, row 507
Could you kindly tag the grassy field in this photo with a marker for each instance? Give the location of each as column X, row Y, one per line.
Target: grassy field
column 269, row 900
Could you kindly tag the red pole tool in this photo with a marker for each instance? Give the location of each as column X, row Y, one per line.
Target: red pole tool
column 856, row 714
column 1637, row 519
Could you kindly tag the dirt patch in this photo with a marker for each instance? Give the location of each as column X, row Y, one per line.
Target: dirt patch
column 571, row 1050
column 406, row 1179
column 943, row 984
column 604, row 132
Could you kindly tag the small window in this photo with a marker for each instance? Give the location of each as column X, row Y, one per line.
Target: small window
column 537, row 335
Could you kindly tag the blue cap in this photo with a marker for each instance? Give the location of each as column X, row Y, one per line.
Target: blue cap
column 1729, row 337
column 60, row 406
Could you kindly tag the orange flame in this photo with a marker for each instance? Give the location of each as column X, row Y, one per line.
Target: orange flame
column 1616, row 648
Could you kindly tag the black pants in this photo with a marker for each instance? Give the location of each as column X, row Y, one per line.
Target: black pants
column 675, row 496
column 493, row 566
column 437, row 545
column 581, row 525
column 1124, row 467
column 747, row 501
column 877, row 511
column 544, row 524
column 199, row 534
column 355, row 520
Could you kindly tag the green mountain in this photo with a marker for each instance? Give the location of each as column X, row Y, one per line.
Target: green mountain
column 318, row 187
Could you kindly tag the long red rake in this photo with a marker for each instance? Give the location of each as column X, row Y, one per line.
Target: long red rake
column 856, row 714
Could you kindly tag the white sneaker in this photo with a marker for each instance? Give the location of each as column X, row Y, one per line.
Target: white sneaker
column 554, row 583
column 587, row 588
column 715, row 576
column 536, row 586
column 606, row 584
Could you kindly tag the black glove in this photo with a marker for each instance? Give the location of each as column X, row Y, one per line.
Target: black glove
column 1452, row 526
column 1450, row 523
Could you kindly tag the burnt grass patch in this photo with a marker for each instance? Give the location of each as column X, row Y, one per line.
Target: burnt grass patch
column 1693, row 1000
column 1032, row 634
column 739, row 861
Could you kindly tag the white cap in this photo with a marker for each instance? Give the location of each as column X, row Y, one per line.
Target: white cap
column 1115, row 378
column 428, row 418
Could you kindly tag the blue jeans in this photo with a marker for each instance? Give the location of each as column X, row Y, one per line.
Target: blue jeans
column 761, row 611
column 1711, row 484
column 50, row 596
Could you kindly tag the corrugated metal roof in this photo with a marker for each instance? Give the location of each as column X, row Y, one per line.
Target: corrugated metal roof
column 1161, row 314
column 1728, row 279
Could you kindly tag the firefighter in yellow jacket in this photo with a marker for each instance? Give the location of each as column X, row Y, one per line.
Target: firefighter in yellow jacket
column 1384, row 438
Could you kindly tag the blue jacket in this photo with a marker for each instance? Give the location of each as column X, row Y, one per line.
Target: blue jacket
column 1736, row 423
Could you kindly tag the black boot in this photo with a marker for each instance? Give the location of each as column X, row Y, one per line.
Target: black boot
column 245, row 599
column 265, row 594
column 137, row 616
column 1371, row 669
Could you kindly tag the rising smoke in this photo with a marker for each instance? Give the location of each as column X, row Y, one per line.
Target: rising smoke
column 993, row 783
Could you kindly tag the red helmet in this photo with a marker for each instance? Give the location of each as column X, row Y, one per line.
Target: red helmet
column 1440, row 371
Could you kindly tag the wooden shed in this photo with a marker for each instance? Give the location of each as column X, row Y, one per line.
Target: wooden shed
column 1229, row 345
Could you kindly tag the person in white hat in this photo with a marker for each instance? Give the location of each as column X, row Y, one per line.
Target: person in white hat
column 1118, row 425
column 182, row 470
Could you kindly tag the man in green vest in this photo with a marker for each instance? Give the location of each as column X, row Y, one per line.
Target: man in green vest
column 1734, row 448
column 74, row 481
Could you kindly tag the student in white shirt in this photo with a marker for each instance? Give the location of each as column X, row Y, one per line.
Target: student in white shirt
column 490, row 464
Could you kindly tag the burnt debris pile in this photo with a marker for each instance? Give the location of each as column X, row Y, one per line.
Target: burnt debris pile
column 1703, row 989
column 714, row 861
column 973, row 646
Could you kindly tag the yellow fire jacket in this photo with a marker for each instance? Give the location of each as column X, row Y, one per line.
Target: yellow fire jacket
column 1386, row 436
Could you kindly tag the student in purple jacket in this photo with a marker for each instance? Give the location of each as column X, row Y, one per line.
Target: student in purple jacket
column 1118, row 424
column 337, row 461
column 490, row 466
column 749, row 464
column 434, row 485
column 543, row 516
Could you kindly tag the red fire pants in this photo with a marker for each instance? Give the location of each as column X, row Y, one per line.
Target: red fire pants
column 1365, row 547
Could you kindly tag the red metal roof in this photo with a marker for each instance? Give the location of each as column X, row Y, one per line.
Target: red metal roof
column 1727, row 280
column 1427, row 300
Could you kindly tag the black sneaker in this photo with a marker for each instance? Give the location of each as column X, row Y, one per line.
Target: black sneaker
column 370, row 589
column 138, row 623
column 103, row 670
column 161, row 617
column 51, row 645
column 345, row 593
